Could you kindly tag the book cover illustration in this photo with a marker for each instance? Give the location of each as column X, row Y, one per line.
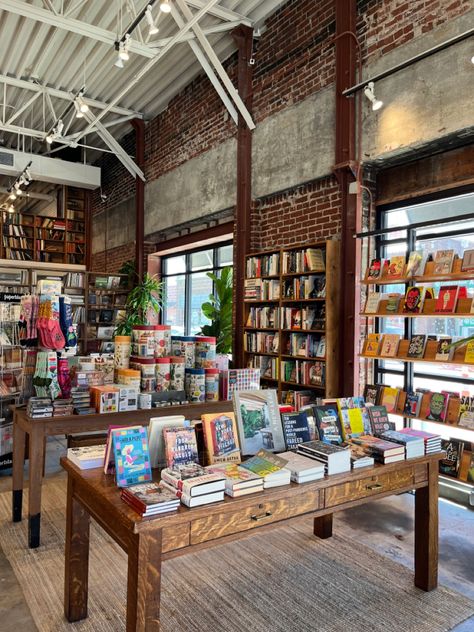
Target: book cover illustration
column 180, row 446
column 371, row 393
column 393, row 302
column 221, row 438
column 413, row 303
column 389, row 345
column 468, row 261
column 374, row 271
column 416, row 348
column 469, row 354
column 329, row 425
column 412, row 404
column 389, row 398
column 396, row 267
column 442, row 351
column 372, row 303
column 379, row 420
column 258, row 421
column 264, row 463
column 372, row 345
column 296, row 428
column 466, row 412
column 132, row 458
column 451, row 462
column 414, row 264
column 356, row 422
column 152, row 494
column 447, row 297
column 443, row 261
column 435, row 409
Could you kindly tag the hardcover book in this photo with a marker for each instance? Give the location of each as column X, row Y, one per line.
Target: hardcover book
column 374, row 271
column 379, row 420
column 435, row 407
column 379, row 446
column 442, row 351
column 264, row 463
column 447, row 298
column 372, row 345
column 396, row 267
column 193, row 480
column 150, row 498
column 443, row 261
column 356, row 422
column 451, row 462
column 156, row 439
column 469, row 354
column 258, row 421
column 296, row 428
column 389, row 345
column 371, row 393
column 393, row 302
column 413, row 303
column 468, row 261
column 412, row 404
column 132, row 458
column 372, row 303
column 329, row 425
column 221, row 438
column 416, row 348
column 389, row 398
column 237, row 478
column 180, row 446
column 414, row 264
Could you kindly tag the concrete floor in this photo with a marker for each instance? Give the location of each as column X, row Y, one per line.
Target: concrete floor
column 386, row 526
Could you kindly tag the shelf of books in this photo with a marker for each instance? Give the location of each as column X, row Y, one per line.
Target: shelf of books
column 105, row 299
column 290, row 331
column 438, row 287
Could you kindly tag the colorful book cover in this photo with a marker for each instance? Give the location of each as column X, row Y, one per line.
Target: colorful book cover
column 469, row 354
column 396, row 267
column 416, row 348
column 442, row 351
column 435, row 407
column 413, row 303
column 374, row 271
column 258, row 421
column 451, row 462
column 371, row 393
column 296, row 428
column 389, row 345
column 412, row 404
column 466, row 412
column 356, row 422
column 264, row 463
column 447, row 298
column 372, row 303
column 468, row 261
column 379, row 420
column 132, row 458
column 414, row 264
column 180, row 446
column 393, row 302
column 443, row 261
column 328, row 422
column 389, row 398
column 221, row 438
column 372, row 345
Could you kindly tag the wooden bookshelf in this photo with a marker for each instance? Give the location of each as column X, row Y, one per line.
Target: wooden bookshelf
column 291, row 286
column 428, row 277
column 463, row 310
column 99, row 300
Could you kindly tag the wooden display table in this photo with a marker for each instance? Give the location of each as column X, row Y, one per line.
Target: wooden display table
column 148, row 541
column 39, row 429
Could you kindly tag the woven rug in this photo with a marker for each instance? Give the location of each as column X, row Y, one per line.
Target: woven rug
column 283, row 580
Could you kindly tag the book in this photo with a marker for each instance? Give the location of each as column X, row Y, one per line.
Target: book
column 468, row 261
column 416, row 347
column 371, row 393
column 379, row 420
column 434, row 407
column 414, row 446
column 374, row 271
column 87, row 457
column 372, row 345
column 356, row 422
column 221, row 439
column 389, row 345
column 414, row 264
column 180, row 446
column 150, row 499
column 156, row 441
column 432, row 441
column 359, row 457
column 270, row 467
column 412, row 404
column 449, row 465
column 258, row 421
column 383, row 451
column 328, row 423
column 442, row 351
column 372, row 303
column 443, row 261
column 302, row 468
column 389, row 398
column 197, row 501
column 469, row 353
column 470, row 472
column 131, row 455
column 336, row 458
column 447, row 298
column 413, row 303
column 238, row 480
column 295, row 428
column 193, row 479
column 396, row 267
column 466, row 412
column 393, row 302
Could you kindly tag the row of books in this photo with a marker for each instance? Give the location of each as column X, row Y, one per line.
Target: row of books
column 304, row 260
column 261, row 342
column 263, row 265
column 266, row 317
column 304, row 318
column 14, row 230
column 267, row 365
column 449, row 407
column 415, row 299
column 397, row 267
column 393, row 346
column 16, row 242
column 261, row 290
column 304, row 372
column 306, row 345
column 305, row 287
column 74, row 280
column 18, row 255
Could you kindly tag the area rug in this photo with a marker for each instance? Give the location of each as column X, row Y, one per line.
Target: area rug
column 283, row 580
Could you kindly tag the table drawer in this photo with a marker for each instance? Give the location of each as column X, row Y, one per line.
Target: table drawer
column 370, row 486
column 254, row 515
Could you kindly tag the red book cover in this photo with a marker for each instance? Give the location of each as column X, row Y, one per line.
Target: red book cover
column 447, row 297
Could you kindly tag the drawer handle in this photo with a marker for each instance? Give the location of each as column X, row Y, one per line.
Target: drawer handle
column 374, row 486
column 267, row 514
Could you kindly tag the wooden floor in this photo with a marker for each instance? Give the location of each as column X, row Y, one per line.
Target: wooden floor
column 386, row 526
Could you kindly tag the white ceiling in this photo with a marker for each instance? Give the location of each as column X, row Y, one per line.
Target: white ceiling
column 62, row 45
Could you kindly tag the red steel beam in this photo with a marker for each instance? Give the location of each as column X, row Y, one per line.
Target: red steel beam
column 243, row 37
column 139, row 127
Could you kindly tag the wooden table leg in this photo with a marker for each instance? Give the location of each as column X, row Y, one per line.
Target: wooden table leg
column 76, row 568
column 36, row 480
column 323, row 526
column 426, row 532
column 18, row 471
column 144, row 583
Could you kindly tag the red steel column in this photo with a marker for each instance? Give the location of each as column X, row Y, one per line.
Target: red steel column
column 345, row 154
column 243, row 37
column 139, row 127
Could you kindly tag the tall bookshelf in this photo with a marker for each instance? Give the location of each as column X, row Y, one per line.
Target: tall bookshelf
column 106, row 295
column 291, row 315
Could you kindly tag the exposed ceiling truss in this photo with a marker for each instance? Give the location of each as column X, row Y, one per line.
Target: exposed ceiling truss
column 30, row 105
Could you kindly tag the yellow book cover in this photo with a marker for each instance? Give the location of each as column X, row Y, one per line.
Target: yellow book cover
column 389, row 398
column 469, row 355
column 396, row 267
column 221, row 438
column 372, row 344
column 356, row 421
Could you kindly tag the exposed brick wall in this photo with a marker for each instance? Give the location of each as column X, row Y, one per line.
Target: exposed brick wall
column 308, row 213
column 113, row 259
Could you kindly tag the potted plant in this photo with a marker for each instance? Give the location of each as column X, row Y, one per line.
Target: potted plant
column 145, row 297
column 218, row 309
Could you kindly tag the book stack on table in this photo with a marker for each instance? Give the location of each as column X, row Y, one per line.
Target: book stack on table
column 381, row 450
column 414, row 446
column 336, row 459
column 432, row 441
column 62, row 407
column 359, row 457
column 87, row 457
column 193, row 484
column 302, row 468
column 238, row 480
column 81, row 400
column 270, row 467
column 150, row 499
column 39, row 407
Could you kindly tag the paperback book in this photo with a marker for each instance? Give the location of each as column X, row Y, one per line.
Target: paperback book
column 413, row 303
column 239, row 481
column 389, row 345
column 416, row 347
column 221, row 438
column 396, row 267
column 372, row 345
column 414, row 264
column 379, row 420
column 442, row 351
column 447, row 298
column 131, row 454
column 443, row 261
column 372, row 303
column 450, row 464
column 328, row 422
column 374, row 272
column 296, row 428
column 180, row 446
column 302, row 468
column 193, row 480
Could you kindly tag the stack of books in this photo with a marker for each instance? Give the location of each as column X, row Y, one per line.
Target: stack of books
column 336, row 459
column 270, row 467
column 414, row 446
column 302, row 469
column 39, row 407
column 381, row 450
column 432, row 441
column 87, row 457
column 150, row 499
column 62, row 407
column 81, row 400
column 359, row 458
column 238, row 480
column 193, row 484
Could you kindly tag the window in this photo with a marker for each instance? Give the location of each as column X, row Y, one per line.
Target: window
column 458, row 236
column 187, row 286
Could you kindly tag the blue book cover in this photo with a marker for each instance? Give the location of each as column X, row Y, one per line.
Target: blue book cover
column 296, row 428
column 132, row 457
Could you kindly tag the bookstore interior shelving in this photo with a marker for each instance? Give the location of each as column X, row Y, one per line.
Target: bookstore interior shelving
column 290, row 324
column 425, row 294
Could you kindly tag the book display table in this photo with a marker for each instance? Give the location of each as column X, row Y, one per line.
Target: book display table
column 149, row 541
column 38, row 429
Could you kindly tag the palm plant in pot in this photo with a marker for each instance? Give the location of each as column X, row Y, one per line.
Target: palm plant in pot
column 147, row 296
column 218, row 309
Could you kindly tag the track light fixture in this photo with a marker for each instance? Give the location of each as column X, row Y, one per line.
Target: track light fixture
column 370, row 94
column 55, row 133
column 152, row 28
column 14, row 191
column 81, row 106
column 123, row 47
column 165, row 6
